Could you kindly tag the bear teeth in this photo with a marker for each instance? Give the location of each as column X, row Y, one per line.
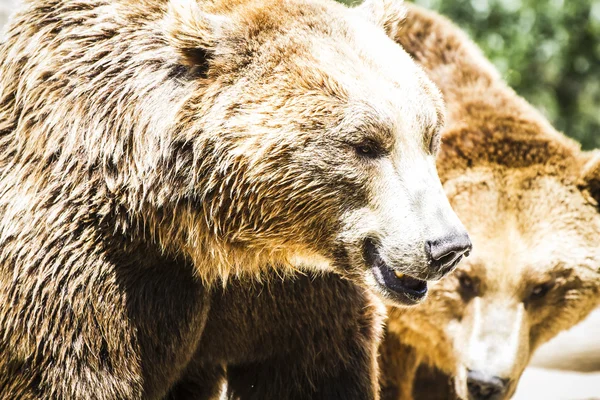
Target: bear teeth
column 399, row 275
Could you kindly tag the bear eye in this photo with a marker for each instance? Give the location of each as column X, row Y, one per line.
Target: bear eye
column 369, row 149
column 468, row 287
column 540, row 291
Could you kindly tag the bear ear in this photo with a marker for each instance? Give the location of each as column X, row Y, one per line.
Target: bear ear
column 193, row 32
column 590, row 176
column 388, row 14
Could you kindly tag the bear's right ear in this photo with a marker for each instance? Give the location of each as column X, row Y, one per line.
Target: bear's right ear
column 590, row 177
column 388, row 14
column 193, row 32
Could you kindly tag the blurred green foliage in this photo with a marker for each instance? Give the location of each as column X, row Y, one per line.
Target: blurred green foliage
column 548, row 50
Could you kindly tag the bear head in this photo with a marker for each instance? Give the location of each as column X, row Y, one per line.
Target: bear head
column 238, row 134
column 528, row 196
column 321, row 134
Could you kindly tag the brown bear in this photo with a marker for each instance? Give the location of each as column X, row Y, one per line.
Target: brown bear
column 151, row 149
column 256, row 363
column 529, row 198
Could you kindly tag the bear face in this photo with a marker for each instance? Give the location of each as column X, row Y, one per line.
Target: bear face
column 341, row 134
column 238, row 134
column 535, row 271
column 529, row 198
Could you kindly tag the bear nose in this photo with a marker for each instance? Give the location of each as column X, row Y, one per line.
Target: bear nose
column 445, row 253
column 485, row 387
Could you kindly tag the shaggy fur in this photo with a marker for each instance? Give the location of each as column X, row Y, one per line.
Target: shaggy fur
column 295, row 339
column 529, row 197
column 151, row 149
column 514, row 142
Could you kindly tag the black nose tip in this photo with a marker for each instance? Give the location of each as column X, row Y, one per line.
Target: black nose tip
column 445, row 252
column 485, row 387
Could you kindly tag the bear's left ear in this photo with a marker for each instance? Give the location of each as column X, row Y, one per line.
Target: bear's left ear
column 389, row 14
column 192, row 32
column 590, row 176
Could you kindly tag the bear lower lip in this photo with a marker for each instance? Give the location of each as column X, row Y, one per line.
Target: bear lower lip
column 398, row 287
column 412, row 284
column 401, row 288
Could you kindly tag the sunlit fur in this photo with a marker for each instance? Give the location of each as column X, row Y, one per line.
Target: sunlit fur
column 529, row 198
column 144, row 139
column 247, row 164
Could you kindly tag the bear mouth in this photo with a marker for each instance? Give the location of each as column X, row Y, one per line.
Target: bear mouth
column 399, row 287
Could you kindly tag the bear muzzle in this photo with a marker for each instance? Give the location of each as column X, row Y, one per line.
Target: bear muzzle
column 396, row 285
column 444, row 253
column 410, row 288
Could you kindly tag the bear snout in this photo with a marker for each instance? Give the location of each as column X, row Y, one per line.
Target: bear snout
column 482, row 386
column 445, row 252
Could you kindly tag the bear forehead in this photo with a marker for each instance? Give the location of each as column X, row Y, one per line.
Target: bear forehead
column 255, row 22
column 348, row 51
column 534, row 226
column 503, row 147
column 368, row 92
column 325, row 48
column 519, row 197
column 505, row 132
column 395, row 75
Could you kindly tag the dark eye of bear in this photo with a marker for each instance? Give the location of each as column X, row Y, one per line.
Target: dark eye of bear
column 369, row 149
column 468, row 286
column 540, row 291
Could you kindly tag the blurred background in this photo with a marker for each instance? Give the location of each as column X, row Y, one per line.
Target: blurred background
column 547, row 50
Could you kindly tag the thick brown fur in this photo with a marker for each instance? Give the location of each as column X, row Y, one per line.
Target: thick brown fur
column 529, row 197
column 151, row 150
column 522, row 140
column 295, row 339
